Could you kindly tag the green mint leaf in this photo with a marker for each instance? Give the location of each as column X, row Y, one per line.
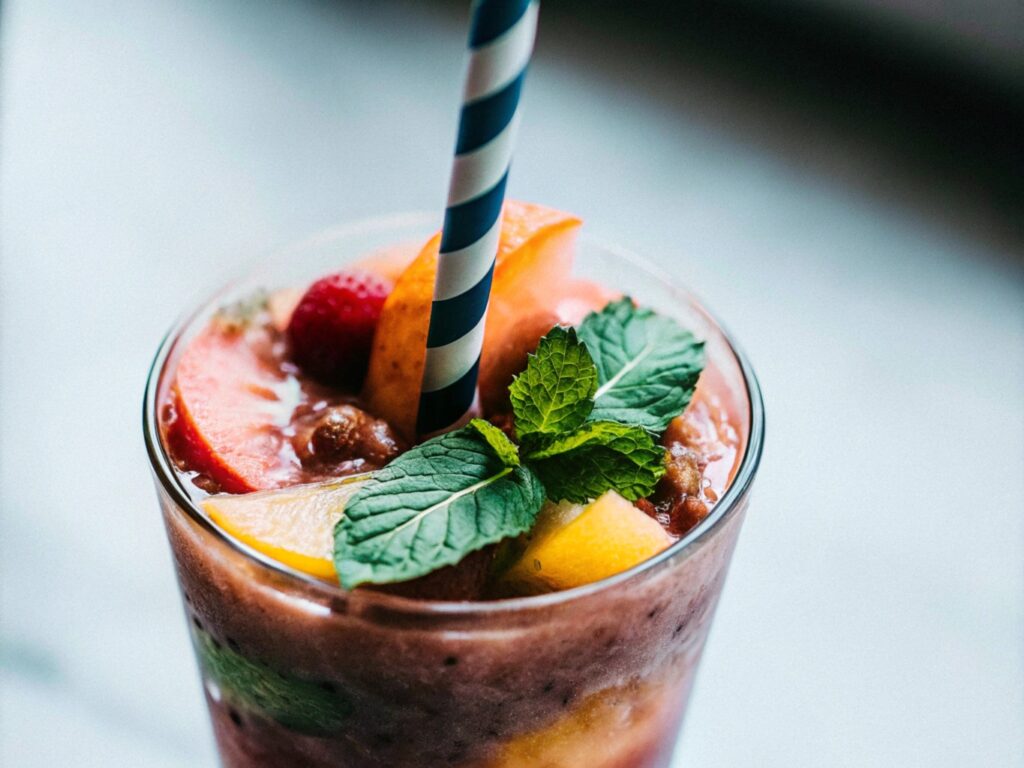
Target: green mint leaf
column 431, row 507
column 600, row 456
column 555, row 393
column 647, row 365
column 301, row 705
column 505, row 449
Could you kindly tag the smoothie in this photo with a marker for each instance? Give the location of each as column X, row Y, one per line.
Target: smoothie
column 531, row 589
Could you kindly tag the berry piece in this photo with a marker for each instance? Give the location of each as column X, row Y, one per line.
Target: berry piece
column 331, row 330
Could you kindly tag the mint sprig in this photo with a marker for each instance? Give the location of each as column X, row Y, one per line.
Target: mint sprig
column 588, row 409
column 647, row 365
column 431, row 507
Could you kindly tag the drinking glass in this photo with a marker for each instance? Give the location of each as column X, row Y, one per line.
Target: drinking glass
column 298, row 672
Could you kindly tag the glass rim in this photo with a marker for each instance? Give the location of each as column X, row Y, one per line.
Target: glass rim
column 172, row 483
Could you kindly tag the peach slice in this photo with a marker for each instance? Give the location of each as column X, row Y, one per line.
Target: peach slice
column 397, row 358
column 532, row 267
column 295, row 526
column 572, row 545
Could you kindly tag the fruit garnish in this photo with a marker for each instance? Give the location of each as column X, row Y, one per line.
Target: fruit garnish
column 464, row 490
column 397, row 358
column 294, row 525
column 532, row 266
column 229, row 403
column 573, row 545
column 331, row 330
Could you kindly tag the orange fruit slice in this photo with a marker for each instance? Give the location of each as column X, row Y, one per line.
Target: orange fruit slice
column 295, row 526
column 533, row 264
column 572, row 545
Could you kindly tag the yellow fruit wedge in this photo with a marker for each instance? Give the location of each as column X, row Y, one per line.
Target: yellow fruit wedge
column 295, row 526
column 572, row 545
column 531, row 271
column 398, row 355
column 610, row 727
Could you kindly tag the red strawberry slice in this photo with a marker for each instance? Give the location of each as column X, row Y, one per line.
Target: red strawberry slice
column 230, row 407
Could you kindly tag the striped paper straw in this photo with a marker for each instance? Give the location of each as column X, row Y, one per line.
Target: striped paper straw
column 500, row 42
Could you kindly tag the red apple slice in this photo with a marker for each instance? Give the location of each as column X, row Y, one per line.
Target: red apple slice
column 230, row 405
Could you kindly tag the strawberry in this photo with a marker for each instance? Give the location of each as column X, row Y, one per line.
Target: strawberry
column 331, row 330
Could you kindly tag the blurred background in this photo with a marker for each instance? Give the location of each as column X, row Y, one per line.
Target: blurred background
column 840, row 180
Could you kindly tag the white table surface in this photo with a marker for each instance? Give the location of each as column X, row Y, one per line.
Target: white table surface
column 875, row 612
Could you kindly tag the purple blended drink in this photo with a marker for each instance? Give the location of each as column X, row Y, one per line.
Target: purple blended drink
column 533, row 588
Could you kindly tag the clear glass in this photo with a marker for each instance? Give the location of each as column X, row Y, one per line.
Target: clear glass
column 299, row 672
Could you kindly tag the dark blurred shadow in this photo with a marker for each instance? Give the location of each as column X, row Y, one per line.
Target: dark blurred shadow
column 892, row 110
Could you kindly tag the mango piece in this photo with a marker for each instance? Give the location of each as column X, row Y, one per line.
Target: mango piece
column 399, row 349
column 532, row 267
column 572, row 545
column 295, row 526
column 616, row 726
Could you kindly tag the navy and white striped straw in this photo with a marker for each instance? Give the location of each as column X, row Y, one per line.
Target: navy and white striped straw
column 501, row 37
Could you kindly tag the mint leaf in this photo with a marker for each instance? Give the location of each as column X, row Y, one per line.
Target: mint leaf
column 555, row 393
column 647, row 365
column 600, row 456
column 301, row 705
column 505, row 449
column 431, row 507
